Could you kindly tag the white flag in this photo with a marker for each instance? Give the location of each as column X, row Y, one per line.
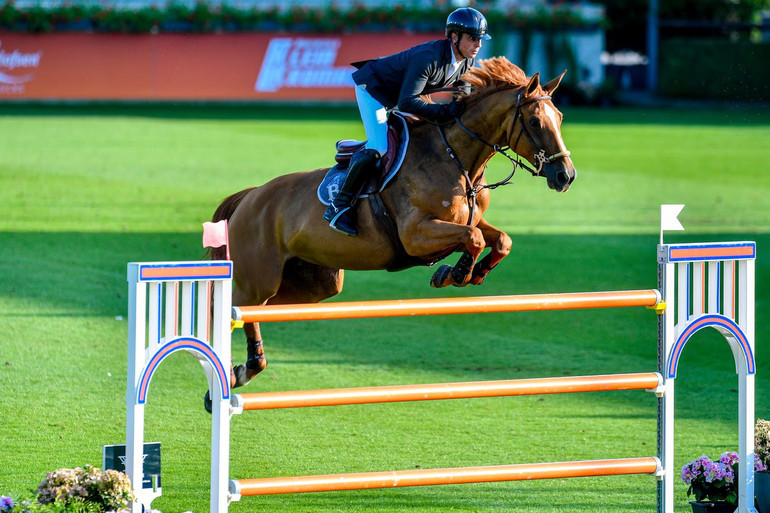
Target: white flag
column 669, row 217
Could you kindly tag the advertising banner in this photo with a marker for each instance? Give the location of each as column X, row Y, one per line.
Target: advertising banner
column 284, row 67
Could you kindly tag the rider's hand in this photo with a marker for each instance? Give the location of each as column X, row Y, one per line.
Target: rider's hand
column 450, row 111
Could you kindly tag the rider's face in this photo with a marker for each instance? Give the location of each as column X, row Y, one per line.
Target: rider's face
column 468, row 46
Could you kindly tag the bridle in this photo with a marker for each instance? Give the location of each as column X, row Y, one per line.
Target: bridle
column 541, row 158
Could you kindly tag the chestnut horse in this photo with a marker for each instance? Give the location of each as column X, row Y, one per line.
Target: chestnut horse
column 284, row 252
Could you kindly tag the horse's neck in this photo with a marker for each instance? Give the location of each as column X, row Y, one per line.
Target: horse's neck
column 472, row 153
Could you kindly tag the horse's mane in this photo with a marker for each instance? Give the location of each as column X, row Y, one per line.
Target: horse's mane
column 493, row 75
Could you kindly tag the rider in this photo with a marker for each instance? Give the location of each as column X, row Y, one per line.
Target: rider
column 397, row 81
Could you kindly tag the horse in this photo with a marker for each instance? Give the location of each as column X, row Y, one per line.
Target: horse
column 283, row 252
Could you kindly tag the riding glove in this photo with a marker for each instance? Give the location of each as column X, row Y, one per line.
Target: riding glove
column 450, row 111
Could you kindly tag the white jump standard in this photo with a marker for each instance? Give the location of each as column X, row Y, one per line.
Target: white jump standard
column 186, row 306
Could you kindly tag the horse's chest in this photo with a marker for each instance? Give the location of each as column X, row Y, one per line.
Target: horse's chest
column 458, row 207
column 455, row 208
column 445, row 201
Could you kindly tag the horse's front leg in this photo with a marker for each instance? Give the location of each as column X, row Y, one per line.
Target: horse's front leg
column 500, row 244
column 459, row 275
column 433, row 236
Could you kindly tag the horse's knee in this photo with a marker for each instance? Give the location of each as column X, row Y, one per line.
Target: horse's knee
column 504, row 245
column 475, row 242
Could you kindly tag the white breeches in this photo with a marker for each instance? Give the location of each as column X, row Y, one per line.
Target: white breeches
column 375, row 119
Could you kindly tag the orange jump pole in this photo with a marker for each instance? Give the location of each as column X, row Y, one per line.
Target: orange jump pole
column 466, row 390
column 443, row 306
column 445, row 476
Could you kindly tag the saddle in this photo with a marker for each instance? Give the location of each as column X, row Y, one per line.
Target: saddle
column 398, row 141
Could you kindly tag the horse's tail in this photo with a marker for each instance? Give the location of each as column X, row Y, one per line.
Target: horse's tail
column 225, row 211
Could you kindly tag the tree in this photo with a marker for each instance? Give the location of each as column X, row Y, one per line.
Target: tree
column 627, row 19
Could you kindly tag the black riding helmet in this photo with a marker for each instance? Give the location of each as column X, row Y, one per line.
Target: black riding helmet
column 468, row 20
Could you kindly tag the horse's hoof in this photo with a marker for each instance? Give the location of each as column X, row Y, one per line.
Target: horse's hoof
column 241, row 376
column 442, row 277
column 477, row 280
column 478, row 277
column 459, row 279
column 207, row 402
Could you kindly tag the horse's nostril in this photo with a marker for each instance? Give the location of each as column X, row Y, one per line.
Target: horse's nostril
column 562, row 177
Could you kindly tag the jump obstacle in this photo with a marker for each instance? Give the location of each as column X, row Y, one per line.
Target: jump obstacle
column 699, row 286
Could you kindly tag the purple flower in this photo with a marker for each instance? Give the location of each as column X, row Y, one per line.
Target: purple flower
column 715, row 480
column 6, row 503
column 729, row 458
column 687, row 474
column 758, row 465
column 712, row 471
column 726, row 473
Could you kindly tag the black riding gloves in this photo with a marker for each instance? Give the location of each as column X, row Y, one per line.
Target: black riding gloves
column 450, row 111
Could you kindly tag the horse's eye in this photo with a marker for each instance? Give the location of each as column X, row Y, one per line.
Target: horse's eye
column 534, row 123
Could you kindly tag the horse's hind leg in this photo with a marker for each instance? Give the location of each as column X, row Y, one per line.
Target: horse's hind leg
column 253, row 289
column 302, row 283
column 256, row 361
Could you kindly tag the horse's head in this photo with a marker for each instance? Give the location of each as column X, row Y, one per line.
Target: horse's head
column 526, row 119
column 535, row 133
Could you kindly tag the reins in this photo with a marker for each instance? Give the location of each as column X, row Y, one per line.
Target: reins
column 472, row 189
column 541, row 158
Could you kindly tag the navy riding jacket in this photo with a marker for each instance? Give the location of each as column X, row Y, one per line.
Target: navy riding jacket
column 398, row 80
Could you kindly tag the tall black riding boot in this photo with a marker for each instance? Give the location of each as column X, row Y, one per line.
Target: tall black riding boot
column 340, row 213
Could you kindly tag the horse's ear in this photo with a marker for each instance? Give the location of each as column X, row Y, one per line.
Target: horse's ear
column 551, row 86
column 534, row 83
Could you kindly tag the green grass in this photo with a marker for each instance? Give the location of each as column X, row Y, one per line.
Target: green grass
column 87, row 189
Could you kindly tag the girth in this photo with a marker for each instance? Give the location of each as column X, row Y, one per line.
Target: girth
column 402, row 260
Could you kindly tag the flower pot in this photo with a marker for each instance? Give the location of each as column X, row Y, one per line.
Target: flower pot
column 762, row 491
column 712, row 507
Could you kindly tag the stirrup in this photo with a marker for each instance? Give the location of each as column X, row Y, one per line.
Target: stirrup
column 343, row 223
column 331, row 212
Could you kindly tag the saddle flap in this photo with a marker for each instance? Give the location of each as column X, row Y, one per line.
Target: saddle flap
column 398, row 142
column 393, row 147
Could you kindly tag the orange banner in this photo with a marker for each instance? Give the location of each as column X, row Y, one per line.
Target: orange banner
column 205, row 67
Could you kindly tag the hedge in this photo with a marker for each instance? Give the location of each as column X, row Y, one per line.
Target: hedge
column 206, row 17
column 714, row 69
